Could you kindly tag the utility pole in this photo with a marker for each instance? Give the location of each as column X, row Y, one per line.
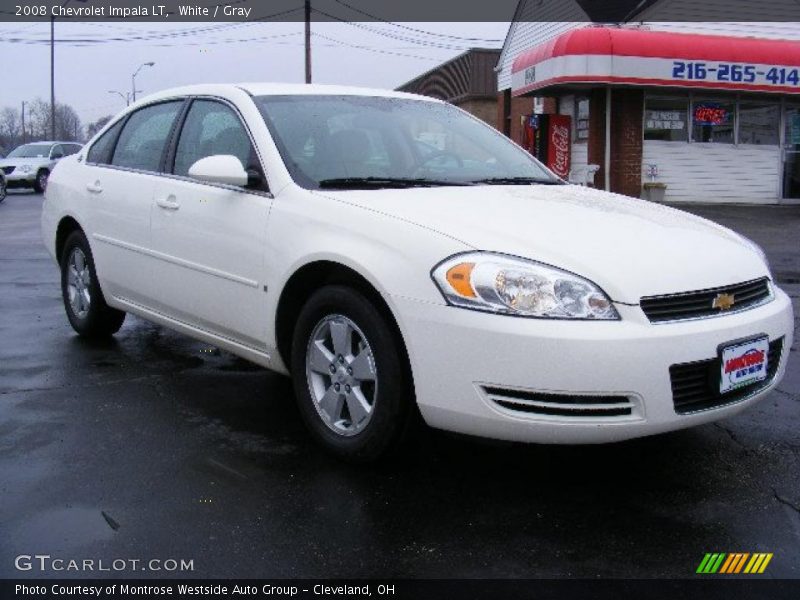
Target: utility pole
column 308, row 40
column 23, row 121
column 52, row 78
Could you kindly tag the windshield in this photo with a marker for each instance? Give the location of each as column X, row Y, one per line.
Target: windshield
column 31, row 151
column 357, row 141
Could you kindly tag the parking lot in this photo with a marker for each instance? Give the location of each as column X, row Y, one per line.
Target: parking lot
column 154, row 446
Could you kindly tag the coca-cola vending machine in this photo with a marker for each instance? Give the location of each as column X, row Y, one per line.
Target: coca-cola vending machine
column 548, row 138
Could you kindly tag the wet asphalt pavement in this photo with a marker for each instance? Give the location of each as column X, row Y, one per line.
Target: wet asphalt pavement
column 153, row 445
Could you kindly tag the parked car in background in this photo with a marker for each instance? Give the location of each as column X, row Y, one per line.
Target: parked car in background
column 394, row 253
column 3, row 186
column 30, row 165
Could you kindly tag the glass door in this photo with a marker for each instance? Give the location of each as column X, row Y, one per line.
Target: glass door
column 791, row 154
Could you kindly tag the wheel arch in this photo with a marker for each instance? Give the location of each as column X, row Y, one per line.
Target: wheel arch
column 313, row 276
column 66, row 225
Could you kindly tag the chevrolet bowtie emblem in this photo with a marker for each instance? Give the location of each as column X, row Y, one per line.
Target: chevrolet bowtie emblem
column 723, row 301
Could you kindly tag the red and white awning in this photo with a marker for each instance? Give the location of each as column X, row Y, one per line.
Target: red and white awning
column 604, row 55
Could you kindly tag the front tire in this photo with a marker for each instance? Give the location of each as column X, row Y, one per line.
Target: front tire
column 40, row 183
column 86, row 307
column 350, row 376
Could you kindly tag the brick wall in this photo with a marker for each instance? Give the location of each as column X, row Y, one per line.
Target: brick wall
column 597, row 134
column 485, row 110
column 626, row 139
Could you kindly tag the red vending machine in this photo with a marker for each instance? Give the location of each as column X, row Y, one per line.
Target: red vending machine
column 548, row 138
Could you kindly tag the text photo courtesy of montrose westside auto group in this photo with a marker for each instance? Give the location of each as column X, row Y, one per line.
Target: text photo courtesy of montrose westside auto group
column 340, row 298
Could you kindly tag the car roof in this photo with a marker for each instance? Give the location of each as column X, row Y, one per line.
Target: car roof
column 281, row 89
column 51, row 143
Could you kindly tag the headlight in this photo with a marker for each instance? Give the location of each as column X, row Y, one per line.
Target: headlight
column 504, row 284
column 25, row 168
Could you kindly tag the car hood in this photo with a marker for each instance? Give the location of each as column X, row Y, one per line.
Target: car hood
column 19, row 162
column 631, row 248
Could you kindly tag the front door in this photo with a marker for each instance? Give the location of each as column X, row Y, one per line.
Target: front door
column 791, row 154
column 119, row 188
column 211, row 239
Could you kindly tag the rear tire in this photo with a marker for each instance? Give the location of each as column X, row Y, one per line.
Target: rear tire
column 40, row 183
column 84, row 303
column 350, row 376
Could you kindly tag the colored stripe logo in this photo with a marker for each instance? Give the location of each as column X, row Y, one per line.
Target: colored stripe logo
column 734, row 563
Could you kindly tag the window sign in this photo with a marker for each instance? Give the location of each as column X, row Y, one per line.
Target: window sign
column 665, row 118
column 662, row 119
column 713, row 120
column 711, row 114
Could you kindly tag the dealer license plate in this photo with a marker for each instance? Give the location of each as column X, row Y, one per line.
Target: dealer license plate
column 743, row 363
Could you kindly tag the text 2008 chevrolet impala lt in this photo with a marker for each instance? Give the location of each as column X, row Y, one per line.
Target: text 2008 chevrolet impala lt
column 392, row 252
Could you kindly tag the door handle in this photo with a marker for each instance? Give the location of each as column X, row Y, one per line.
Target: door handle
column 95, row 187
column 169, row 203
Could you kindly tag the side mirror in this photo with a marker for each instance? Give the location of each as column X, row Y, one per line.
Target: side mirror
column 220, row 168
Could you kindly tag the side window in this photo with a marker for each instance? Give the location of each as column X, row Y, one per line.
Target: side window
column 57, row 151
column 144, row 137
column 100, row 152
column 211, row 128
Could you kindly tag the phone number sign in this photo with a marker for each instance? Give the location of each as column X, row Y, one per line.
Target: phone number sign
column 735, row 73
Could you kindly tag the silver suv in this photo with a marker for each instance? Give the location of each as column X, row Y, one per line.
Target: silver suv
column 30, row 165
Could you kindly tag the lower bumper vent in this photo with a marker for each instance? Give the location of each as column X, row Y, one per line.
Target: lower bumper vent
column 560, row 405
column 695, row 385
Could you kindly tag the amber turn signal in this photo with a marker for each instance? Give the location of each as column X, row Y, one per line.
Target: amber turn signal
column 459, row 279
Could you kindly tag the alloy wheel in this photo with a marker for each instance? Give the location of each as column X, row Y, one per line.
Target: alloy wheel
column 78, row 283
column 341, row 375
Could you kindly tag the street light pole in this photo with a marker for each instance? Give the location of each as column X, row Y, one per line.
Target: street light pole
column 308, row 40
column 133, row 79
column 53, row 77
column 23, row 122
column 126, row 96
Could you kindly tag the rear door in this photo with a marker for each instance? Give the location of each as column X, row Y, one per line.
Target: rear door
column 211, row 238
column 123, row 168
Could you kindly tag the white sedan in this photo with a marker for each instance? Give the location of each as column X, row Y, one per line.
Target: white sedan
column 398, row 257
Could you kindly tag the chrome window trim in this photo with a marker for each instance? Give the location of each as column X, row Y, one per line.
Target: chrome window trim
column 264, row 193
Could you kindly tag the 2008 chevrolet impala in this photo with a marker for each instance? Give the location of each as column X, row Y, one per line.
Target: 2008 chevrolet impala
column 393, row 252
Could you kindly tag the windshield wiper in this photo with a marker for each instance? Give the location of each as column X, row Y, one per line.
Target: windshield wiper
column 384, row 182
column 519, row 181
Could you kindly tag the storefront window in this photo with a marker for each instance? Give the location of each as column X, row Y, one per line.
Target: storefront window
column 665, row 119
column 758, row 123
column 713, row 120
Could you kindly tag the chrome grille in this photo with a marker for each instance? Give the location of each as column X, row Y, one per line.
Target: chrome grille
column 695, row 385
column 560, row 405
column 693, row 305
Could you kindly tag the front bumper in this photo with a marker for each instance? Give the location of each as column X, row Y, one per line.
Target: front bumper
column 17, row 178
column 456, row 354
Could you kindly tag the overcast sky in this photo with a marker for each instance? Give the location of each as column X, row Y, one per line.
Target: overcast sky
column 192, row 53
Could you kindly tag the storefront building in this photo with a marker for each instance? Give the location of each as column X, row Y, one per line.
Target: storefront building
column 701, row 116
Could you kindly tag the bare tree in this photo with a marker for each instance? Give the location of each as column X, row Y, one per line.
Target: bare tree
column 10, row 131
column 96, row 126
column 68, row 124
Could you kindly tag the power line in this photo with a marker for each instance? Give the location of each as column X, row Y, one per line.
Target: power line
column 371, row 49
column 393, row 36
column 414, row 29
